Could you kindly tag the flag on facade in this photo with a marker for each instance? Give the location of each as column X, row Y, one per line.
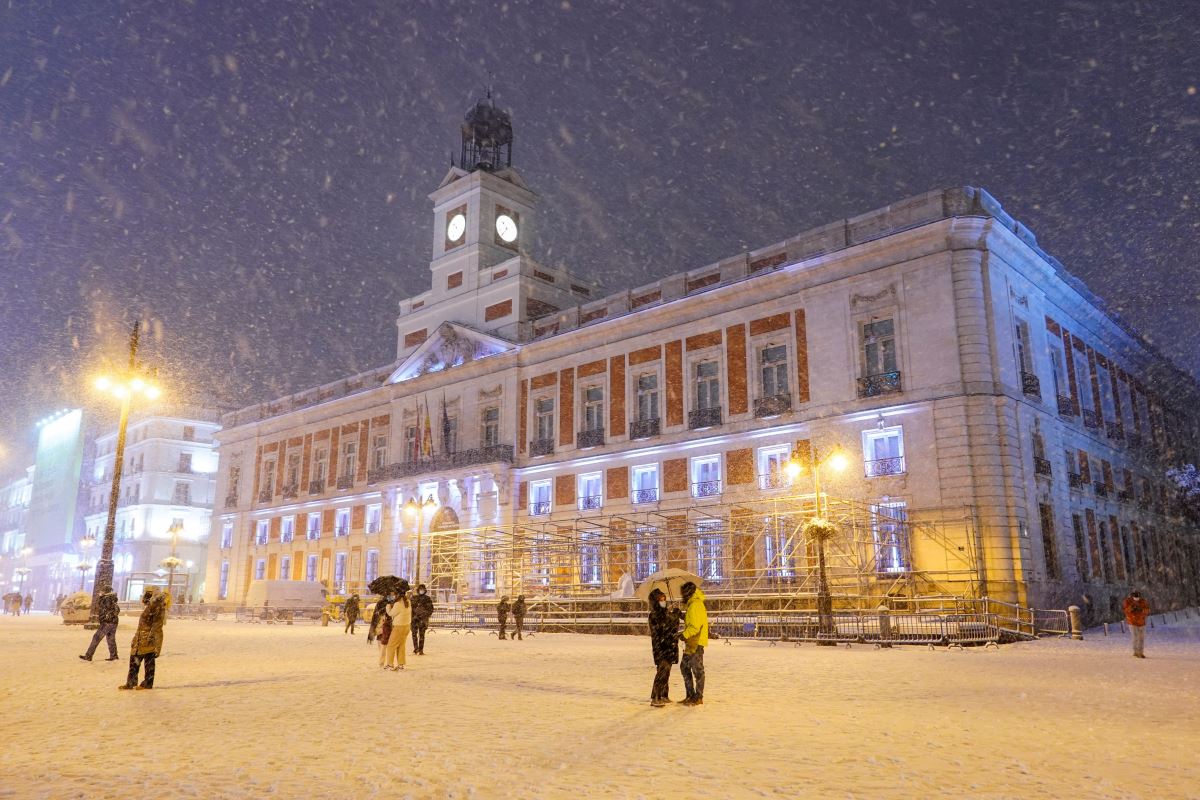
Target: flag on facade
column 427, row 435
column 445, row 427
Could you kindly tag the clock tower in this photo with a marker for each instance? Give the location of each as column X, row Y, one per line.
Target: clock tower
column 483, row 218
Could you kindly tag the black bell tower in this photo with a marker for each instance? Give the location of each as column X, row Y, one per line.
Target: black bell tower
column 486, row 137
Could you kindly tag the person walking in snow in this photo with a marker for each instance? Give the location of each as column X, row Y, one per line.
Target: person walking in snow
column 351, row 614
column 1136, row 610
column 695, row 639
column 421, row 612
column 400, row 613
column 664, row 645
column 518, row 611
column 108, row 614
column 28, row 602
column 147, row 639
column 502, row 614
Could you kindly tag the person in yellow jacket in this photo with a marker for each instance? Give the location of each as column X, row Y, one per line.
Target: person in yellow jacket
column 695, row 639
column 147, row 639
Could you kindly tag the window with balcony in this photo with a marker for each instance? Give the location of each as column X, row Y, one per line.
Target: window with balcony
column 310, row 568
column 543, row 444
column 341, row 522
column 185, row 463
column 285, row 568
column 889, row 527
column 591, row 491
column 262, row 531
column 1108, row 404
column 349, row 464
column 710, row 555
column 260, row 569
column 1083, row 381
column 291, row 475
column 339, row 572
column 287, row 529
column 883, row 451
column 267, row 483
column 706, row 388
column 450, row 434
column 372, row 565
column 374, row 518
column 540, row 493
column 645, row 484
column 412, row 444
column 647, row 397
column 1030, row 384
column 313, row 531
column 706, row 476
column 182, row 495
column 223, row 581
column 645, row 552
column 771, row 466
column 1081, row 558
column 379, row 451
column 1062, row 384
column 590, row 571
column 320, row 471
column 592, row 434
column 880, row 365
column 774, row 395
column 226, row 535
column 490, row 425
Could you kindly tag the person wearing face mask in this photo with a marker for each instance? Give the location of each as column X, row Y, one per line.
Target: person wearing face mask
column 422, row 610
column 664, row 645
column 400, row 613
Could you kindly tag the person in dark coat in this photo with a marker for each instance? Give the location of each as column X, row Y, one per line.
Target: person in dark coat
column 518, row 611
column 28, row 602
column 147, row 640
column 664, row 645
column 352, row 606
column 108, row 614
column 502, row 614
column 377, row 620
column 421, row 612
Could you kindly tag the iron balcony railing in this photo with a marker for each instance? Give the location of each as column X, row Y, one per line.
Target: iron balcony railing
column 1113, row 429
column 772, row 406
column 541, row 447
column 884, row 466
column 704, row 418
column 539, row 509
column 706, row 489
column 883, row 383
column 1066, row 406
column 773, row 480
column 317, row 486
column 264, row 496
column 590, row 438
column 1030, row 385
column 590, row 502
column 1075, row 480
column 1101, row 488
column 645, row 495
column 1091, row 419
column 1041, row 466
column 341, row 530
column 644, row 428
column 290, row 491
column 345, row 481
column 488, row 454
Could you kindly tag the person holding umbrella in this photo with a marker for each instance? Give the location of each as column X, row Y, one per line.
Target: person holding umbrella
column 664, row 645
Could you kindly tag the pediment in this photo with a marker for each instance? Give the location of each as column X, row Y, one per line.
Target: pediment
column 454, row 174
column 451, row 345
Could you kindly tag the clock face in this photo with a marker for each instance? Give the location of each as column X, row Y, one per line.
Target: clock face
column 506, row 228
column 456, row 227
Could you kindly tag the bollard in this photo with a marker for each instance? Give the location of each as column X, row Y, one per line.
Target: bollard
column 1074, row 614
column 1106, row 629
column 885, row 625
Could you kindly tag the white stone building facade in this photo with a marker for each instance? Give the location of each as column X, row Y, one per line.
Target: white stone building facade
column 1002, row 434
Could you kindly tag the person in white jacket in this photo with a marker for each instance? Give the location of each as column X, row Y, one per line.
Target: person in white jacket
column 400, row 612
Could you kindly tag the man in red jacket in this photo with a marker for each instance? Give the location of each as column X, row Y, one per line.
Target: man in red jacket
column 1136, row 610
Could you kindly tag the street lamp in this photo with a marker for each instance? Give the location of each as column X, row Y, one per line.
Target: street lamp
column 85, row 544
column 171, row 562
column 820, row 530
column 132, row 383
column 413, row 509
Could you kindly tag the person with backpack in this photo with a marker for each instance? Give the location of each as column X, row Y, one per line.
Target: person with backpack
column 108, row 614
column 421, row 612
column 502, row 609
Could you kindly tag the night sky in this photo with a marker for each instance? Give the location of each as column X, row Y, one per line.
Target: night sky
column 252, row 176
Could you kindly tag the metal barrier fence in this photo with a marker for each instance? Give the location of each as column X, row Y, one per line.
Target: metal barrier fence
column 864, row 627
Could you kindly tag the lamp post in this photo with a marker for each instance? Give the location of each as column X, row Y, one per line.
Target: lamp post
column 125, row 386
column 171, row 562
column 85, row 544
column 413, row 510
column 820, row 530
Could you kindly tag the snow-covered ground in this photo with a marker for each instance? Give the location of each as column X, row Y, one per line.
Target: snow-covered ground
column 269, row 711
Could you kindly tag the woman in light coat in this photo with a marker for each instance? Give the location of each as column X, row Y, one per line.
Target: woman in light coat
column 400, row 612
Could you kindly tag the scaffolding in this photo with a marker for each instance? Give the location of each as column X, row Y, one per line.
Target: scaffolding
column 751, row 555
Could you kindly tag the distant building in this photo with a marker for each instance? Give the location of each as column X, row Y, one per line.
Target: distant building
column 14, row 508
column 168, row 480
column 1003, row 435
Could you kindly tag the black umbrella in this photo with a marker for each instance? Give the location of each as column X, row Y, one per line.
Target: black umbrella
column 388, row 584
